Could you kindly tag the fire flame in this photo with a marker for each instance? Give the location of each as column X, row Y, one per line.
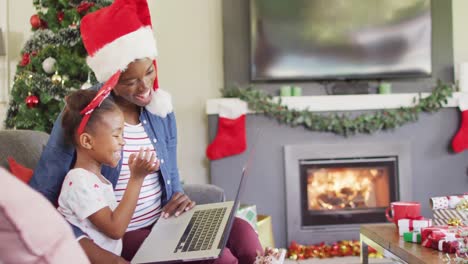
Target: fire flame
column 341, row 188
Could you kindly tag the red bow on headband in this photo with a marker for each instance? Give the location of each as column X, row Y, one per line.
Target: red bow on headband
column 97, row 100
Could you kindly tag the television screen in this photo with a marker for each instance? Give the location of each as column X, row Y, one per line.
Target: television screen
column 339, row 39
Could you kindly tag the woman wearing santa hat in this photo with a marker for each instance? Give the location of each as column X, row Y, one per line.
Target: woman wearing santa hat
column 122, row 53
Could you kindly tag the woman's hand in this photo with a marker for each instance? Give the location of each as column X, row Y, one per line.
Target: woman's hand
column 178, row 204
column 142, row 164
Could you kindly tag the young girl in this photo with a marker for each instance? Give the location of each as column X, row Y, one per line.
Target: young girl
column 87, row 198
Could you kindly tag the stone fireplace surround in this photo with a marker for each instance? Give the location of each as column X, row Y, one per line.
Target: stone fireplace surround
column 435, row 169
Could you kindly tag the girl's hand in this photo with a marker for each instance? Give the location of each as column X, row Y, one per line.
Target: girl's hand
column 142, row 164
column 178, row 204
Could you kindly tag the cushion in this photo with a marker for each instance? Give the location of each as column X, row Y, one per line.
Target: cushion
column 31, row 229
column 21, row 172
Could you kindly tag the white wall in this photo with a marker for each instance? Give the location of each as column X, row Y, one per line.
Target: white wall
column 189, row 37
column 18, row 30
column 460, row 36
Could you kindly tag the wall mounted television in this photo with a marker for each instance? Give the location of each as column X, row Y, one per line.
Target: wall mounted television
column 339, row 39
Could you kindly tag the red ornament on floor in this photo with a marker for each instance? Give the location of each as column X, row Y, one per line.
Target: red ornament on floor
column 32, row 101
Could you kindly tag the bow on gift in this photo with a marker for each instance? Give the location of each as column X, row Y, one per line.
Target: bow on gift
column 102, row 94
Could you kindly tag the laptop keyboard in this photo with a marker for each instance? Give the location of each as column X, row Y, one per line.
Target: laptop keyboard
column 201, row 230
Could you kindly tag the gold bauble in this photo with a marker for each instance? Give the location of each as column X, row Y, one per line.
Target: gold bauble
column 56, row 79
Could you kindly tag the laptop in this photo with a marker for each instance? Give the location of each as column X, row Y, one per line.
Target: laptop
column 198, row 234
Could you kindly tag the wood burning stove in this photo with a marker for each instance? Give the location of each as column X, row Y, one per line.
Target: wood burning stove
column 333, row 188
column 356, row 190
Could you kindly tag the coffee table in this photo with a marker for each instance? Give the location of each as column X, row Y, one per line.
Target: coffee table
column 385, row 239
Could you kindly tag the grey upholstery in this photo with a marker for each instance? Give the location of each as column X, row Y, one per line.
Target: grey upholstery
column 25, row 146
column 204, row 193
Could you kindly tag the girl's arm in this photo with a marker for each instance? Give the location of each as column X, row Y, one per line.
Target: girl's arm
column 115, row 223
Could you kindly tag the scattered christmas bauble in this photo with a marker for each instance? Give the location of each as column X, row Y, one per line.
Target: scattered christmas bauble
column 35, row 21
column 48, row 65
column 56, row 78
column 32, row 101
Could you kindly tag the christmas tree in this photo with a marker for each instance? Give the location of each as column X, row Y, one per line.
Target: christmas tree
column 53, row 64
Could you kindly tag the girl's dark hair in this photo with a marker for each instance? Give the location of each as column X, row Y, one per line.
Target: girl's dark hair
column 74, row 103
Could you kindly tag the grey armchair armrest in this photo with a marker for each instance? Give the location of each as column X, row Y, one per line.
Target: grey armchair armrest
column 204, row 193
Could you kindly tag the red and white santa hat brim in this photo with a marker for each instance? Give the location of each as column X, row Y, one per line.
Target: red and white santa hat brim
column 117, row 35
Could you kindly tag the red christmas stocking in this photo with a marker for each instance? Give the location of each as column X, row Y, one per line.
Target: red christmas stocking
column 460, row 141
column 230, row 138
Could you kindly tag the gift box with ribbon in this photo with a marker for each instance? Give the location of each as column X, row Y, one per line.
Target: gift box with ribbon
column 265, row 231
column 407, row 225
column 413, row 236
column 437, row 233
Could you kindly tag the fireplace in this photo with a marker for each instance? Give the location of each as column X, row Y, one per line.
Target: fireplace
column 332, row 189
column 356, row 190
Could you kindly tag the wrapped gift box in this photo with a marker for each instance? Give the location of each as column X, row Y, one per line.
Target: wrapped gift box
column 249, row 214
column 443, row 221
column 443, row 216
column 407, row 225
column 447, row 202
column 265, row 231
column 413, row 236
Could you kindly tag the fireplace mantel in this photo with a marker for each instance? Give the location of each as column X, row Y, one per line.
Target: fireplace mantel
column 322, row 103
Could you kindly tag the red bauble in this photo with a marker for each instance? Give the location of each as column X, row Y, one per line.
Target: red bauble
column 60, row 16
column 35, row 21
column 32, row 101
column 84, row 6
column 25, row 59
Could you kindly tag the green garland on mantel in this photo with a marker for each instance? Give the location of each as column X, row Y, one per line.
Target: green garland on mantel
column 341, row 124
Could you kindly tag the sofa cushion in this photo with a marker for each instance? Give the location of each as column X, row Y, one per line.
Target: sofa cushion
column 21, row 172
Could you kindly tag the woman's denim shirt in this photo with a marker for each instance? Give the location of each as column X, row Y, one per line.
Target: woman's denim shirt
column 58, row 156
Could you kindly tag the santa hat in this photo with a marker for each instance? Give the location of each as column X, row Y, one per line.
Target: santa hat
column 117, row 35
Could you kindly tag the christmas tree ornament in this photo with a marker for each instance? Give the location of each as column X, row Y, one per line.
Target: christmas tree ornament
column 460, row 141
column 65, row 79
column 48, row 65
column 35, row 21
column 31, row 101
column 56, row 78
column 25, row 60
column 44, row 24
column 230, row 138
column 60, row 16
column 88, row 83
column 84, row 7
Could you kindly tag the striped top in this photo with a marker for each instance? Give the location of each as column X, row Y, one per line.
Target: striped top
column 148, row 207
